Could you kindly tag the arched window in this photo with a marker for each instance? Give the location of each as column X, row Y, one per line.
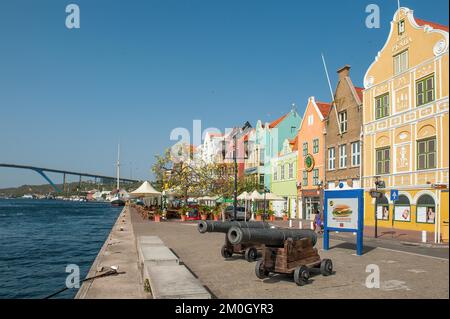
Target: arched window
column 382, row 206
column 402, row 209
column 426, row 209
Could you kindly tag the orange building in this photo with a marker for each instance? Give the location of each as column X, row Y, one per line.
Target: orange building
column 311, row 158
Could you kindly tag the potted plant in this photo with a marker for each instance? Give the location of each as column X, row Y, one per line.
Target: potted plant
column 157, row 215
column 205, row 212
column 183, row 212
column 216, row 213
column 285, row 216
column 259, row 214
column 271, row 215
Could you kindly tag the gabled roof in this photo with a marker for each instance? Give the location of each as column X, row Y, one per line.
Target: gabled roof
column 431, row 24
column 277, row 121
column 324, row 108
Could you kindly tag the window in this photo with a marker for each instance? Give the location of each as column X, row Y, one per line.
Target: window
column 310, row 120
column 425, row 90
column 342, row 156
column 291, row 170
column 383, row 161
column 316, row 146
column 282, row 172
column 261, row 180
column 382, row 106
column 426, row 153
column 261, row 157
column 401, row 62
column 402, row 209
column 275, row 173
column 315, row 177
column 305, row 178
column 401, row 27
column 331, row 158
column 305, row 148
column 343, row 121
column 356, row 154
column 382, row 211
column 426, row 209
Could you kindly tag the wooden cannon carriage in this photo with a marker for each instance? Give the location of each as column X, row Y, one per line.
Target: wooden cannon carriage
column 296, row 257
column 248, row 250
column 285, row 251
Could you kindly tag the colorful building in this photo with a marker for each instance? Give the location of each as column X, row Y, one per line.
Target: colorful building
column 343, row 135
column 265, row 142
column 311, row 158
column 405, row 124
column 284, row 178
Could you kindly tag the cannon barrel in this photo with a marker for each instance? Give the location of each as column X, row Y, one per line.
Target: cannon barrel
column 205, row 226
column 270, row 237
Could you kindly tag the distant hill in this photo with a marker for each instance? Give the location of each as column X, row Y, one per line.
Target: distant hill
column 71, row 189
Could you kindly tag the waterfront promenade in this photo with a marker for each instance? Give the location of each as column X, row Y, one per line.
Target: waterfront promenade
column 403, row 274
column 119, row 249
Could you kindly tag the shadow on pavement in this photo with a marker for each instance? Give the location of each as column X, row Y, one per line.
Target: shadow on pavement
column 352, row 246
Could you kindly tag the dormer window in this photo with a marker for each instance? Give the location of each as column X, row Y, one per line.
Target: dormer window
column 401, row 27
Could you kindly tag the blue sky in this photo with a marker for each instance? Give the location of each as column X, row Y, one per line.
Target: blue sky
column 137, row 69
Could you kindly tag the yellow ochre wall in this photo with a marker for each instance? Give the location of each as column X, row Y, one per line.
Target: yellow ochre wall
column 407, row 122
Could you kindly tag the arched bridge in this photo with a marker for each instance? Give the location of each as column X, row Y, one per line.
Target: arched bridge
column 42, row 171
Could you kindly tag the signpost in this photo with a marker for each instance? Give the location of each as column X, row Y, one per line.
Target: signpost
column 394, row 195
column 344, row 212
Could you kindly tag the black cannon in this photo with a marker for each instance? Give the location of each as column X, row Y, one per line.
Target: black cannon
column 274, row 237
column 250, row 251
column 285, row 251
column 206, row 226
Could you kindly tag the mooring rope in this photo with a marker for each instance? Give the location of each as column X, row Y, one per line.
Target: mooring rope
column 108, row 273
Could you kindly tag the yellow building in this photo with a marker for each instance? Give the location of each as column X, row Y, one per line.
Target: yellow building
column 406, row 132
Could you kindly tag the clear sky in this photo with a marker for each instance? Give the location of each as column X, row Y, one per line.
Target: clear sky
column 137, row 69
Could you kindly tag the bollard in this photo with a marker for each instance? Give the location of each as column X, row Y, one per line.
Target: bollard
column 312, row 225
column 300, row 224
column 424, row 236
column 290, row 223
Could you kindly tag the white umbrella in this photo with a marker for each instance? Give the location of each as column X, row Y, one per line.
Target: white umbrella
column 256, row 196
column 145, row 190
column 244, row 196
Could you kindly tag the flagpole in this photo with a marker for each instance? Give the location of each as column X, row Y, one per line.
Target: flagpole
column 332, row 94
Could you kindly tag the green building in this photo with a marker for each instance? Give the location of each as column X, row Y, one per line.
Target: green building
column 284, row 179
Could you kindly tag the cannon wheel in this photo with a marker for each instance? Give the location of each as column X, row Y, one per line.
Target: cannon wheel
column 226, row 253
column 251, row 254
column 260, row 271
column 301, row 275
column 326, row 267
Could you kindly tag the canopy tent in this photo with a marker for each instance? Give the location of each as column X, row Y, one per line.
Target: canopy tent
column 145, row 190
column 208, row 198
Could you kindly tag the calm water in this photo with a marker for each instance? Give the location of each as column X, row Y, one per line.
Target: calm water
column 39, row 238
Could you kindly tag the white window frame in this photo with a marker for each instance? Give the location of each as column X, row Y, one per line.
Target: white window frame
column 401, row 62
column 310, row 120
column 275, row 173
column 343, row 121
column 343, row 156
column 356, row 154
column 283, row 173
column 331, row 158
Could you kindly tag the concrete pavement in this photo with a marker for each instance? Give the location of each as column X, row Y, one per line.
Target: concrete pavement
column 402, row 274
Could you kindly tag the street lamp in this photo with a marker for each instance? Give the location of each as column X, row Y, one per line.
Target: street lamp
column 378, row 184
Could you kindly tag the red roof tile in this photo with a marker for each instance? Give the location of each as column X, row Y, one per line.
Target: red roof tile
column 278, row 121
column 294, row 144
column 431, row 24
column 324, row 108
column 359, row 91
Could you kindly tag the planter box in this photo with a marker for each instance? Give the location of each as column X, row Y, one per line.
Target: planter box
column 158, row 218
column 183, row 218
column 204, row 217
column 258, row 217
